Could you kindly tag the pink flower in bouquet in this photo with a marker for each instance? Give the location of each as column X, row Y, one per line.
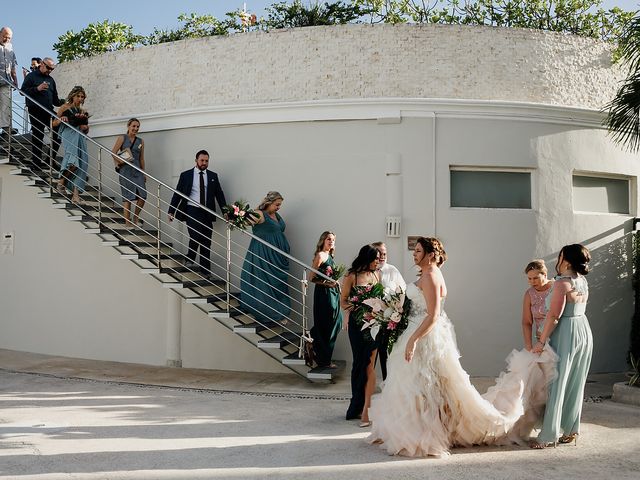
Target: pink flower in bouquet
column 391, row 325
column 329, row 271
column 376, row 304
column 241, row 213
column 368, row 288
column 354, row 299
column 235, row 210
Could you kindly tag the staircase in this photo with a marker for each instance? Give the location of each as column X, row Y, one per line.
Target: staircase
column 157, row 250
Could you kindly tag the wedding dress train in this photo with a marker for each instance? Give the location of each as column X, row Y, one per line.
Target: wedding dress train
column 429, row 405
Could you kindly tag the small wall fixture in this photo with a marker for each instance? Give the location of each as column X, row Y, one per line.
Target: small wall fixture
column 393, row 226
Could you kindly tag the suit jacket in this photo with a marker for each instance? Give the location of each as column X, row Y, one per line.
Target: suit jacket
column 178, row 205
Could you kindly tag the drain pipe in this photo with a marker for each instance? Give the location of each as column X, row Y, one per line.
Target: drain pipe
column 174, row 329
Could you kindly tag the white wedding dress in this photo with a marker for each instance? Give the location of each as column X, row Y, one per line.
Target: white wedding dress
column 429, row 405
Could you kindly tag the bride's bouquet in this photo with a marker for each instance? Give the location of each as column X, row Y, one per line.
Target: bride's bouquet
column 385, row 312
column 239, row 214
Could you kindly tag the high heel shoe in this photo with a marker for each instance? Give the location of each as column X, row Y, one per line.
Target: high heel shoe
column 572, row 437
column 365, row 424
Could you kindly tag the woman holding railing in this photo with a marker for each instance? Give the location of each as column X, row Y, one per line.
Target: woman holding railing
column 73, row 171
column 132, row 182
column 264, row 291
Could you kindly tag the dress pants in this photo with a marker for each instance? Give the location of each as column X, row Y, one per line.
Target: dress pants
column 200, row 228
column 39, row 120
column 5, row 106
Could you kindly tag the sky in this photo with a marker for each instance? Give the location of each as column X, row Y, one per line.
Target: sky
column 38, row 24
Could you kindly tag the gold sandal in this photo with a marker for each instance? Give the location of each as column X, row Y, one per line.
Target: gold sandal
column 572, row 437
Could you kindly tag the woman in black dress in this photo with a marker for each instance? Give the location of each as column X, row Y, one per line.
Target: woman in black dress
column 362, row 275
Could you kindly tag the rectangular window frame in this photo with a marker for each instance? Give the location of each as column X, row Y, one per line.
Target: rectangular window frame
column 482, row 169
column 631, row 186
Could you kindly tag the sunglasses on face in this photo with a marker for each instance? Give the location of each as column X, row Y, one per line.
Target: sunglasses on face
column 49, row 69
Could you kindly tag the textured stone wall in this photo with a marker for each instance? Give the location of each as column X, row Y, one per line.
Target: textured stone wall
column 349, row 61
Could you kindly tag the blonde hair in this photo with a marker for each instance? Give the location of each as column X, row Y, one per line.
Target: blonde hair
column 75, row 91
column 269, row 198
column 537, row 264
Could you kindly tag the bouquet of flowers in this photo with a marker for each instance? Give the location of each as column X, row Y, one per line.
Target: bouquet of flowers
column 385, row 312
column 362, row 312
column 335, row 272
column 401, row 326
column 239, row 214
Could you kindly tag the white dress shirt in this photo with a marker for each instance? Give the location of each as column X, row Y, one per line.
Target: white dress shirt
column 391, row 277
column 195, row 188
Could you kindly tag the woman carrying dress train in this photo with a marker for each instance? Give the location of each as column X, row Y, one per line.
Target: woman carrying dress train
column 534, row 307
column 327, row 316
column 567, row 330
column 428, row 403
column 362, row 274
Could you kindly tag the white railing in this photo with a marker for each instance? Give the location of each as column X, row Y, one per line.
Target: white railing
column 162, row 251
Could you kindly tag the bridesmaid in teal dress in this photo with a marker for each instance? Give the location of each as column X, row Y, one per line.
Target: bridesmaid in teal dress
column 567, row 330
column 327, row 316
column 264, row 292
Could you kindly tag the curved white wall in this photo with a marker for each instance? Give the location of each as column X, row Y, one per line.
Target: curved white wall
column 317, row 114
column 347, row 62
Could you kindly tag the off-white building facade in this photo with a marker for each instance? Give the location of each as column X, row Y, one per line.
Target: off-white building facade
column 417, row 120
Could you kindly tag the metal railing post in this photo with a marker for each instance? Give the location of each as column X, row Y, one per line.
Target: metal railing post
column 10, row 128
column 51, row 154
column 228, row 277
column 159, row 224
column 305, row 327
column 99, row 189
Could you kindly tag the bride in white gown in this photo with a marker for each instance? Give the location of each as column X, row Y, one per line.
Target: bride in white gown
column 428, row 403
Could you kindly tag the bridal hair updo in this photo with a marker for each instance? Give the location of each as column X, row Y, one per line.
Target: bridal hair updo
column 577, row 256
column 320, row 244
column 269, row 198
column 433, row 245
column 367, row 254
column 537, row 265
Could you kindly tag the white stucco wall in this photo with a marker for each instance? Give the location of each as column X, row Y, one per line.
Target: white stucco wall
column 320, row 114
column 347, row 61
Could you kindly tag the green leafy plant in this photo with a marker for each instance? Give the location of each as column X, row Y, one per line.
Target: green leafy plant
column 94, row 39
column 298, row 14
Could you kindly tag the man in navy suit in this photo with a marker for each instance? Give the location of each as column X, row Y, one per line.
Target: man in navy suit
column 203, row 188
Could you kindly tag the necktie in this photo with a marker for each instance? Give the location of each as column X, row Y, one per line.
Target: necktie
column 203, row 197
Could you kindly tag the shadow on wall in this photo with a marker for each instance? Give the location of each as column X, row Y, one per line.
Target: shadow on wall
column 610, row 296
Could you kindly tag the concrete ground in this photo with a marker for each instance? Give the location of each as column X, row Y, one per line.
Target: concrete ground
column 64, row 418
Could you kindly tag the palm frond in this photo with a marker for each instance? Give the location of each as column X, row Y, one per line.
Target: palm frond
column 623, row 114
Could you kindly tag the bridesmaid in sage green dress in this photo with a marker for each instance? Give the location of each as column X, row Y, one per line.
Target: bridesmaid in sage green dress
column 327, row 316
column 264, row 291
column 567, row 330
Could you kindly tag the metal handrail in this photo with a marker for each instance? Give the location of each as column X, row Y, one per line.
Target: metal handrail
column 159, row 244
column 172, row 190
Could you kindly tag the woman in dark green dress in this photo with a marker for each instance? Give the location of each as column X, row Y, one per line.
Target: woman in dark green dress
column 327, row 316
column 264, row 291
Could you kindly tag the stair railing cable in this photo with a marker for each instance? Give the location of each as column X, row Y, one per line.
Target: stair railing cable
column 169, row 238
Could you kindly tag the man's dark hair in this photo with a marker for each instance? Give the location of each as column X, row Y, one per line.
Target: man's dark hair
column 202, row 152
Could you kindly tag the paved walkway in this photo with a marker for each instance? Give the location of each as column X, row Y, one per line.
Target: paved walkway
column 56, row 425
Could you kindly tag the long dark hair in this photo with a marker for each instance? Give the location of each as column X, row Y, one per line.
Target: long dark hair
column 367, row 254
